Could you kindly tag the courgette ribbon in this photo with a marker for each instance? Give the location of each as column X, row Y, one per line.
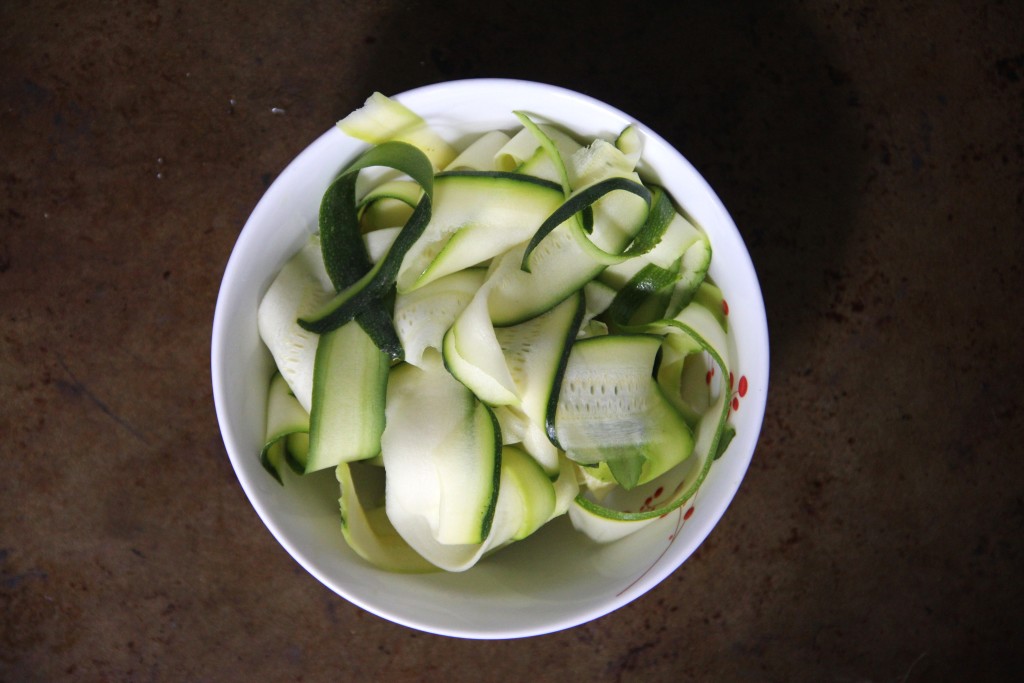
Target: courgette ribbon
column 362, row 288
column 585, row 217
column 660, row 212
column 346, row 260
column 712, row 434
column 698, row 322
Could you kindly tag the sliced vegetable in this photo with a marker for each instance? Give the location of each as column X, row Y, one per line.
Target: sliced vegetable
column 537, row 352
column 473, row 355
column 300, row 288
column 578, row 202
column 388, row 205
column 424, row 315
column 376, row 283
column 475, row 217
column 442, row 456
column 346, row 258
column 285, row 419
column 349, row 387
column 482, row 154
column 365, row 523
column 612, row 414
column 678, row 485
column 480, row 341
column 540, row 150
column 382, row 119
column 630, row 143
column 535, row 491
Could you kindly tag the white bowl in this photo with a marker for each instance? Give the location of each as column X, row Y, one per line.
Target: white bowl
column 556, row 579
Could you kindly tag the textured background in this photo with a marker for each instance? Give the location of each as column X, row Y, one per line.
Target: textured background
column 872, row 155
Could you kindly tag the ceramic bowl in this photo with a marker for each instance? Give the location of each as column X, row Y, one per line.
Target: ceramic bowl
column 556, row 579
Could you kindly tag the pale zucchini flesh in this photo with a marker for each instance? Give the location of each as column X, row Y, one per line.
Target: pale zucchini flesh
column 286, row 422
column 383, row 119
column 365, row 524
column 424, row 315
column 442, row 455
column 300, row 288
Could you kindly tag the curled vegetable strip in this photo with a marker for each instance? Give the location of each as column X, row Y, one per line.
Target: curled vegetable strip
column 603, row 521
column 378, row 281
column 366, row 527
column 285, row 418
column 382, row 119
column 549, row 147
column 648, row 282
column 404, row 191
column 585, row 216
column 346, row 258
column 582, row 199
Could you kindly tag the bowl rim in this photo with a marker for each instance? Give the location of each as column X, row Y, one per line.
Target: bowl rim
column 756, row 346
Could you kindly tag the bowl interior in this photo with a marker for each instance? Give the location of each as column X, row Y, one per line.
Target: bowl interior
column 555, row 579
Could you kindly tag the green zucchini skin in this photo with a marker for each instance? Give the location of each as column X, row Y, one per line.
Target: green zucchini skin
column 376, row 284
column 357, row 294
column 346, row 259
column 500, row 175
column 286, row 419
column 577, row 203
column 563, row 361
column 350, row 381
